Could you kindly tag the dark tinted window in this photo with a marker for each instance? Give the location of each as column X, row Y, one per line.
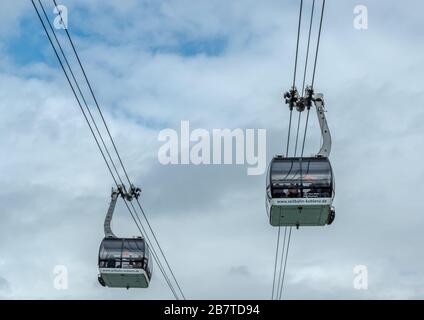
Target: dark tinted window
column 123, row 253
column 133, row 248
column 111, row 248
column 293, row 178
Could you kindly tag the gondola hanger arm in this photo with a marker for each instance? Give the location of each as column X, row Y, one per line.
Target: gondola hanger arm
column 108, row 220
column 318, row 99
column 133, row 193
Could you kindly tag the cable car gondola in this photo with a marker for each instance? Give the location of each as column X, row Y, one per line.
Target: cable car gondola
column 300, row 190
column 123, row 262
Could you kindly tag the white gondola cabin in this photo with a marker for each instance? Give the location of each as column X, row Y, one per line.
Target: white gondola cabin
column 300, row 191
column 124, row 263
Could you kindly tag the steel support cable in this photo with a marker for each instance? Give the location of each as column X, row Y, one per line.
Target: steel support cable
column 306, row 123
column 297, row 133
column 307, row 47
column 80, row 92
column 318, row 42
column 307, row 119
column 288, row 136
column 288, row 243
column 313, row 76
column 297, row 43
column 154, row 254
column 160, row 248
column 281, row 262
column 304, row 134
column 294, row 74
column 113, row 143
column 142, row 231
column 285, row 264
column 149, row 242
column 284, row 260
column 94, row 97
column 104, row 158
column 279, row 227
column 288, row 143
column 74, row 92
column 306, row 67
column 275, row 262
column 79, row 103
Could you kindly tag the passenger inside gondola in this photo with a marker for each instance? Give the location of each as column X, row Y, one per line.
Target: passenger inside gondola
column 293, row 192
column 111, row 263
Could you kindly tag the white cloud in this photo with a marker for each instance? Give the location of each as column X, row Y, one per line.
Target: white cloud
column 212, row 220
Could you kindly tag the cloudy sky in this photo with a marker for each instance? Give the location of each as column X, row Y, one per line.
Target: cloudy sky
column 218, row 64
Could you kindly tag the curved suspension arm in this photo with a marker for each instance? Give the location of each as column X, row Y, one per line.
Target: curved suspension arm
column 108, row 220
column 325, row 131
column 127, row 196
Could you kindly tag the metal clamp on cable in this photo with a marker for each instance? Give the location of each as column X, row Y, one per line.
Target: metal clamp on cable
column 291, row 98
column 308, row 98
column 134, row 192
